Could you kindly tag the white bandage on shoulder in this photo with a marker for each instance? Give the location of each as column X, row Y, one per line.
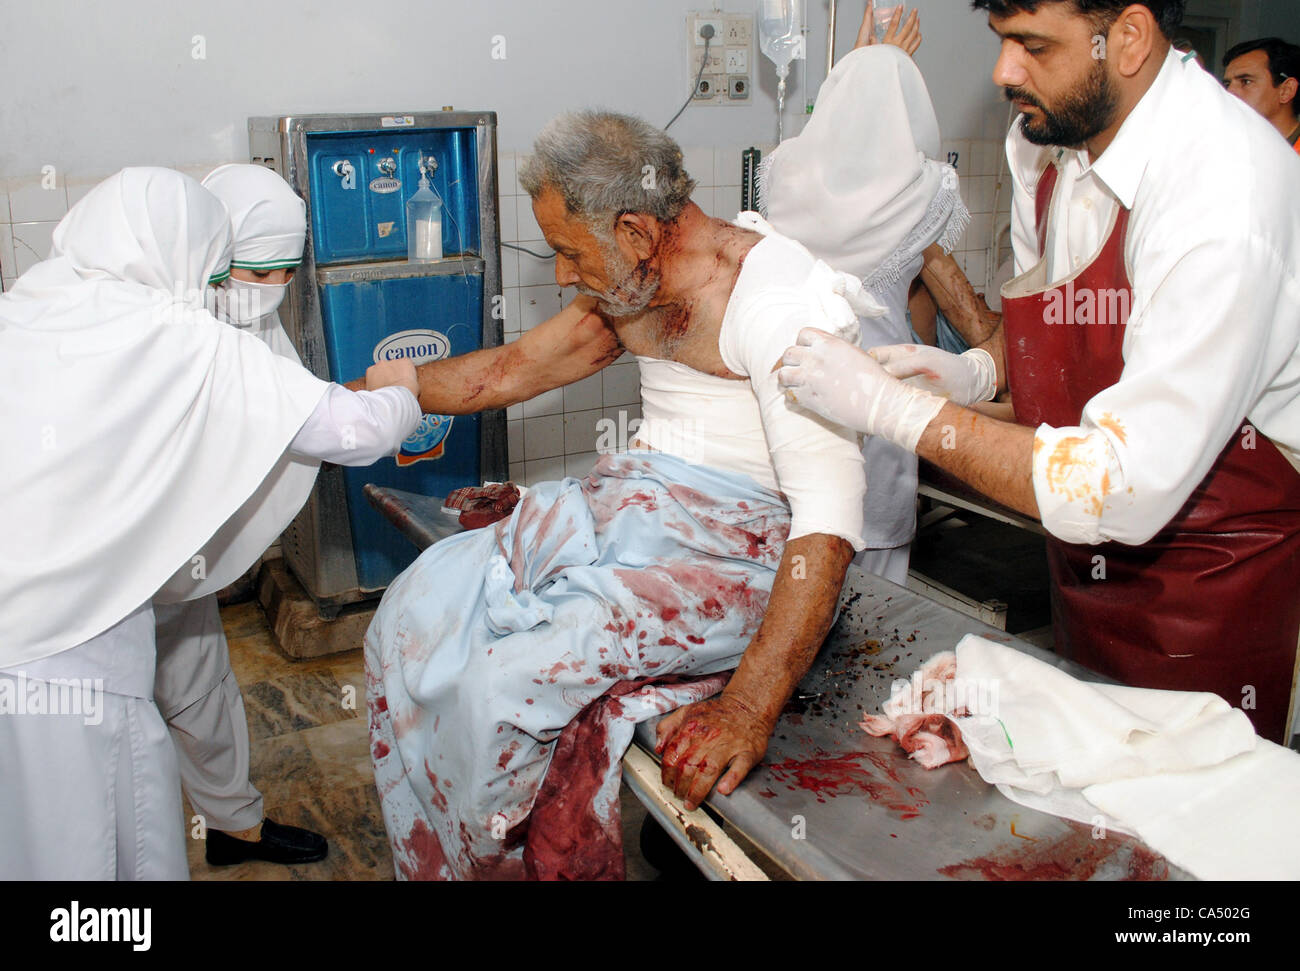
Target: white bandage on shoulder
column 818, row 465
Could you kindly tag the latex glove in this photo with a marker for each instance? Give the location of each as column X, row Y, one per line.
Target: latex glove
column 841, row 382
column 963, row 379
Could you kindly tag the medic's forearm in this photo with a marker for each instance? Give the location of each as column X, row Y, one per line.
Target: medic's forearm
column 799, row 614
column 995, row 457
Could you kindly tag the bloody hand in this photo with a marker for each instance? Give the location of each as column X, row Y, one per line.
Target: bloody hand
column 700, row 742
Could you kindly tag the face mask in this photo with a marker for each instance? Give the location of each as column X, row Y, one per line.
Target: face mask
column 243, row 303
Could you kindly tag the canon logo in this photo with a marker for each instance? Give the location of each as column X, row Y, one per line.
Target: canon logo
column 419, row 346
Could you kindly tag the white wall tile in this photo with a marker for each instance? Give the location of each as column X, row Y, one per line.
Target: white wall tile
column 726, row 200
column 579, row 466
column 514, row 412
column 703, row 197
column 506, row 182
column 509, row 220
column 7, row 268
column 515, row 441
column 543, row 437
column 32, row 242
column 517, row 474
column 726, row 166
column 528, row 228
column 544, row 470
column 30, row 201
column 699, row 164
column 962, row 147
column 511, row 324
column 581, row 430
column 978, row 193
column 977, row 233
column 509, row 267
column 585, row 394
column 987, row 154
column 535, row 272
column 547, row 403
column 537, row 304
column 622, row 384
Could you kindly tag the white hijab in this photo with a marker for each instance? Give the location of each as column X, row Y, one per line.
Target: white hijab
column 861, row 186
column 269, row 225
column 132, row 423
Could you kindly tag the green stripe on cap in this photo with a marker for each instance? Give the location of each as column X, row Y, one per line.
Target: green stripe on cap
column 218, row 277
column 267, row 265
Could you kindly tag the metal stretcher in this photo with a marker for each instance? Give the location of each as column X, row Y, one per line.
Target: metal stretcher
column 830, row 802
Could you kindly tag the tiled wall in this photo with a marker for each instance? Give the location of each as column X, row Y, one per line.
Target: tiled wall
column 555, row 434
column 977, row 166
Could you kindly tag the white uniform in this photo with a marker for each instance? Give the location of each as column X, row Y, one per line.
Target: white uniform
column 861, row 188
column 121, row 403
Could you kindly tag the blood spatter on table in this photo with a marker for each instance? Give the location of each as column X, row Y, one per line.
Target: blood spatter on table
column 829, row 776
column 1073, row 855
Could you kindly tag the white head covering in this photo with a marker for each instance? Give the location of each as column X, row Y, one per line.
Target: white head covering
column 268, row 220
column 269, row 225
column 132, row 423
column 860, row 186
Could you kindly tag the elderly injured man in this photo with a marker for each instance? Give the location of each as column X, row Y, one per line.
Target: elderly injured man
column 507, row 668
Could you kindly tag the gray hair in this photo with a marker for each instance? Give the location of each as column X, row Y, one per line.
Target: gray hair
column 604, row 164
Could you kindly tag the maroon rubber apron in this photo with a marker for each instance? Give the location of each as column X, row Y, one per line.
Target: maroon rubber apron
column 1212, row 602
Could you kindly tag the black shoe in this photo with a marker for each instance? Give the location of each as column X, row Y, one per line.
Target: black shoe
column 279, row 844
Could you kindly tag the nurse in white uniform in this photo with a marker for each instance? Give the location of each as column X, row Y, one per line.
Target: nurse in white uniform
column 194, row 687
column 134, row 425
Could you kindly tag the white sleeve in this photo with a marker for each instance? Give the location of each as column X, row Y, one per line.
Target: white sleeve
column 1198, row 354
column 818, row 464
column 357, row 427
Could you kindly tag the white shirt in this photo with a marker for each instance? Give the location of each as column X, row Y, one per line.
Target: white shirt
column 1212, row 250
column 357, row 427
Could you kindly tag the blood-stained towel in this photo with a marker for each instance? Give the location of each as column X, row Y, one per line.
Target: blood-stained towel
column 917, row 715
column 609, row 598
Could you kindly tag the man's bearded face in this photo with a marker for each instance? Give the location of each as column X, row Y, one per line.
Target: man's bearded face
column 632, row 284
column 1080, row 113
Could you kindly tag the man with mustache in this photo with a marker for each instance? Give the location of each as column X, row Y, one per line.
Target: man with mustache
column 508, row 666
column 1150, row 345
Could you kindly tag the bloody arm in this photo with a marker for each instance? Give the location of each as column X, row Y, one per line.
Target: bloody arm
column 729, row 734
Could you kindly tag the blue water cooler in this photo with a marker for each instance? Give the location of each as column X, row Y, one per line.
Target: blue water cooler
column 358, row 300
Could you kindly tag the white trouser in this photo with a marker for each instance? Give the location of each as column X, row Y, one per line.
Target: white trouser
column 199, row 698
column 89, row 786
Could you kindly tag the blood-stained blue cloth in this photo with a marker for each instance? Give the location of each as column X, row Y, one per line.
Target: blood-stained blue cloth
column 538, row 643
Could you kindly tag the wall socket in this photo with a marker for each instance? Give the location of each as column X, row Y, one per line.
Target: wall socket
column 727, row 75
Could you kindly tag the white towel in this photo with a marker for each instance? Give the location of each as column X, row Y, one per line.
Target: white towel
column 1182, row 770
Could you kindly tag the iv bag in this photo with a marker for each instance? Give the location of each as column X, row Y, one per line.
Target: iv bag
column 779, row 35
